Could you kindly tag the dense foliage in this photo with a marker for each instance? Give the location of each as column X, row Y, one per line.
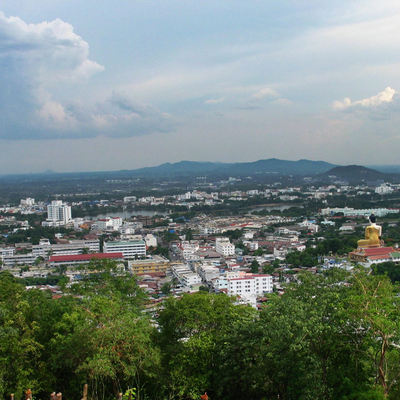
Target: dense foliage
column 330, row 336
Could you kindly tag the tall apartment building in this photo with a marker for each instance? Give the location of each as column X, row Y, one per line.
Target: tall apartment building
column 58, row 213
column 224, row 246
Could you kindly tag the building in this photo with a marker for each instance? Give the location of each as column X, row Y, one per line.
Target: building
column 130, row 249
column 374, row 255
column 19, row 259
column 185, row 275
column 250, row 285
column 208, row 272
column 81, row 259
column 154, row 264
column 187, row 249
column 110, row 223
column 28, row 202
column 224, row 246
column 73, row 247
column 248, row 288
column 58, row 214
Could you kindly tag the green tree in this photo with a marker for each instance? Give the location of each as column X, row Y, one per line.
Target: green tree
column 190, row 328
column 254, row 267
column 373, row 307
column 166, row 287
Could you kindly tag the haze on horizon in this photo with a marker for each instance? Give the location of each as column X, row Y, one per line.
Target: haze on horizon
column 97, row 86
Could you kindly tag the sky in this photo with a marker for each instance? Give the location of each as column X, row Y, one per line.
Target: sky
column 125, row 84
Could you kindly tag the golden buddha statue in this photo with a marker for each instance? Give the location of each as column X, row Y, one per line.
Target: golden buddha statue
column 372, row 234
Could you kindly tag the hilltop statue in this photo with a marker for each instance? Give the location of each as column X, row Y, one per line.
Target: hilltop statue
column 373, row 233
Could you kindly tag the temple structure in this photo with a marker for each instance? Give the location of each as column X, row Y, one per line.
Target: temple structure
column 371, row 249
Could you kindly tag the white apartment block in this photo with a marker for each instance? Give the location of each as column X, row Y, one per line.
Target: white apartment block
column 224, row 246
column 111, row 223
column 384, row 189
column 208, row 272
column 189, row 279
column 130, row 249
column 250, row 286
column 185, row 275
column 58, row 214
column 187, row 249
column 28, row 202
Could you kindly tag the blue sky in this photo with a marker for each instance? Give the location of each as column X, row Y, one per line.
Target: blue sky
column 107, row 85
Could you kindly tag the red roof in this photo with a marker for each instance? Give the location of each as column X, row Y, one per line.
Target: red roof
column 86, row 257
column 383, row 256
column 378, row 251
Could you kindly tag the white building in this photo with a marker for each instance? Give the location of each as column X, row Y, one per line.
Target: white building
column 73, row 247
column 250, row 287
column 252, row 246
column 130, row 249
column 185, row 275
column 58, row 214
column 129, row 199
column 151, row 240
column 110, row 223
column 188, row 248
column 19, row 259
column 208, row 272
column 190, row 279
column 384, row 189
column 28, row 202
column 224, row 246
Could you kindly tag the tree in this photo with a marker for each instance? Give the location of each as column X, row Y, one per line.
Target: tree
column 373, row 307
column 268, row 268
column 255, row 266
column 190, row 329
column 166, row 287
column 388, row 268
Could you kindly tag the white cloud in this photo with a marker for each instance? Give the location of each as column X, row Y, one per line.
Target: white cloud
column 283, row 102
column 36, row 62
column 264, row 93
column 374, row 101
column 215, row 101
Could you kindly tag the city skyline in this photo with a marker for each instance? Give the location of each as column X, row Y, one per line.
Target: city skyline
column 100, row 86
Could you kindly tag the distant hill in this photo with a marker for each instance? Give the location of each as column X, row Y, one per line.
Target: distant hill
column 357, row 173
column 270, row 166
column 387, row 169
column 181, row 167
column 281, row 167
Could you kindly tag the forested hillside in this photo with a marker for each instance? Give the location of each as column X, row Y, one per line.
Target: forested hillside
column 330, row 336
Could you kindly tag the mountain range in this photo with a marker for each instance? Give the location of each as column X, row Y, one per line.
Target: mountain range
column 270, row 166
column 319, row 170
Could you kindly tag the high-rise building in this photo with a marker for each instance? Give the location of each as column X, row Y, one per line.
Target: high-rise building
column 58, row 213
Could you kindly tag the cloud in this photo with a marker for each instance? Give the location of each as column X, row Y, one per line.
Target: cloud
column 371, row 102
column 37, row 61
column 283, row 102
column 264, row 93
column 215, row 101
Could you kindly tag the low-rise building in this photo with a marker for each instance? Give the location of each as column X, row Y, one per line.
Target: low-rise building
column 130, row 249
column 224, row 246
column 153, row 264
column 81, row 259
